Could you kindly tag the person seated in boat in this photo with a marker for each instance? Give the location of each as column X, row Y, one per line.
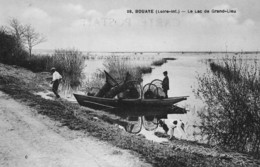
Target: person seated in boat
column 174, row 128
column 165, row 83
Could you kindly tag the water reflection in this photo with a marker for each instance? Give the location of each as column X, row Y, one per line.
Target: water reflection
column 147, row 122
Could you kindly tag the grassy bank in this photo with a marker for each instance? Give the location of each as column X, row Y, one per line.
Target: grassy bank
column 79, row 118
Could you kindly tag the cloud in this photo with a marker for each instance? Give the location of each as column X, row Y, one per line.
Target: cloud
column 249, row 23
column 35, row 14
column 74, row 9
column 92, row 15
column 118, row 13
column 195, row 19
column 39, row 19
column 86, row 20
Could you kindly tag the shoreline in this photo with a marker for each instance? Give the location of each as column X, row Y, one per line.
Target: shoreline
column 179, row 153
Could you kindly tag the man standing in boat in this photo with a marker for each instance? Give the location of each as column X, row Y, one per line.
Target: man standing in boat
column 165, row 84
column 56, row 77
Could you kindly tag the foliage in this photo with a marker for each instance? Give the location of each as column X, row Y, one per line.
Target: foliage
column 16, row 29
column 231, row 92
column 10, row 52
column 36, row 63
column 94, row 83
column 25, row 35
column 32, row 38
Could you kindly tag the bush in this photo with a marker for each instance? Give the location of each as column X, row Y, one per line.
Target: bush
column 231, row 92
column 70, row 63
column 36, row 63
column 11, row 51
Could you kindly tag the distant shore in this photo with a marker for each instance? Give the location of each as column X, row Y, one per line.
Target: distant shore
column 50, row 51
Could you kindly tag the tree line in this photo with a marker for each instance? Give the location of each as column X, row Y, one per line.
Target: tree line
column 16, row 43
column 22, row 36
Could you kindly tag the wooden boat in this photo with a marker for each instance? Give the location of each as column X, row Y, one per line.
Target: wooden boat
column 99, row 102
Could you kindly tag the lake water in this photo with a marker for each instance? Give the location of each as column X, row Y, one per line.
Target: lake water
column 182, row 74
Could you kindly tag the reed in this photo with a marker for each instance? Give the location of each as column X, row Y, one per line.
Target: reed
column 94, row 83
column 118, row 68
column 159, row 62
column 36, row 63
column 70, row 63
column 144, row 69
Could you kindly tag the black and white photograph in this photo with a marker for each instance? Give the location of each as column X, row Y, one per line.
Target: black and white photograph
column 129, row 83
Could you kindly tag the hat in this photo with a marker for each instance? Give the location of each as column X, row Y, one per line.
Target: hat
column 53, row 69
column 165, row 72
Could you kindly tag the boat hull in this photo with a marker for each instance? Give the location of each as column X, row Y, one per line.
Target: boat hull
column 93, row 102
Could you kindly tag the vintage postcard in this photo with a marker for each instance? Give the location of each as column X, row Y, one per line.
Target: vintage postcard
column 129, row 83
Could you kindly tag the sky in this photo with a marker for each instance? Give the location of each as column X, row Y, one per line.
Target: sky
column 105, row 25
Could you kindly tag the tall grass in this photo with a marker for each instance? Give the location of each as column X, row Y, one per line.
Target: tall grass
column 70, row 63
column 159, row 62
column 231, row 91
column 144, row 69
column 118, row 68
column 94, row 83
column 36, row 63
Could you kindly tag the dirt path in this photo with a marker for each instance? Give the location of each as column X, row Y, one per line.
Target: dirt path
column 28, row 139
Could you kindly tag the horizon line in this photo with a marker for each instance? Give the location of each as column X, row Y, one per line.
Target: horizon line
column 172, row 51
column 253, row 51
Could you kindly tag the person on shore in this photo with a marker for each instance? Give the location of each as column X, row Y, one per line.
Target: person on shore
column 56, row 78
column 165, row 84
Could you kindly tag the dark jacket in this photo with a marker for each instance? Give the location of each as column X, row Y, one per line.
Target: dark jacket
column 165, row 83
